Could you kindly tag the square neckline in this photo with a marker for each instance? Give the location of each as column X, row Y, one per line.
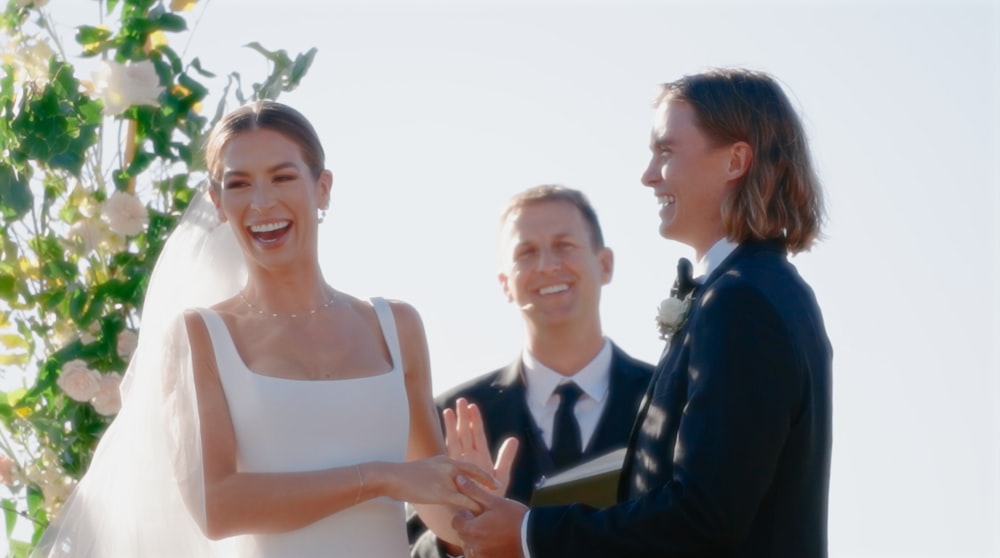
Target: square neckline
column 386, row 325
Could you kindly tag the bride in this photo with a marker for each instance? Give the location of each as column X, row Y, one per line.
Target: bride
column 285, row 419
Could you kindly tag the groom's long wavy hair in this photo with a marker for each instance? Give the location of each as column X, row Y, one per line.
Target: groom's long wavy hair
column 264, row 115
column 780, row 196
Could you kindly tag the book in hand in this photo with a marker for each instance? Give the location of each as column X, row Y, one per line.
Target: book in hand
column 593, row 482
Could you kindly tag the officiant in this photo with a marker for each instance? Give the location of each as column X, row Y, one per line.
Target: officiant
column 571, row 394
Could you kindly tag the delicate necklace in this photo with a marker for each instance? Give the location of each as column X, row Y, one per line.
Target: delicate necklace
column 261, row 312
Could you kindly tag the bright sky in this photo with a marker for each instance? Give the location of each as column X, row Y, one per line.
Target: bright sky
column 434, row 113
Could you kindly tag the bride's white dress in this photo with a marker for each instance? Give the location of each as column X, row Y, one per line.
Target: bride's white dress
column 284, row 425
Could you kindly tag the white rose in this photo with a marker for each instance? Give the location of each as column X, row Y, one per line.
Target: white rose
column 90, row 234
column 125, row 214
column 31, row 54
column 123, row 85
column 672, row 311
column 79, row 382
column 108, row 400
column 127, row 341
column 670, row 316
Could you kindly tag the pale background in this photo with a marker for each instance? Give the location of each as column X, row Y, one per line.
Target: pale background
column 434, row 113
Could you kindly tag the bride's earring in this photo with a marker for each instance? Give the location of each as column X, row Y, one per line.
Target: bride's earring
column 322, row 215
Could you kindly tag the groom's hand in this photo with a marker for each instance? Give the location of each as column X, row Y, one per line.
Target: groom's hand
column 494, row 532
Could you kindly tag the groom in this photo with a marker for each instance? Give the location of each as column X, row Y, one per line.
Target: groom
column 730, row 455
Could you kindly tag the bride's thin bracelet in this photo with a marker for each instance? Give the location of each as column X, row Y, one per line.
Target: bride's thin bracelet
column 361, row 484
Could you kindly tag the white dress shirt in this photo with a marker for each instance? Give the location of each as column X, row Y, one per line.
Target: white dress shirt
column 540, row 384
column 712, row 259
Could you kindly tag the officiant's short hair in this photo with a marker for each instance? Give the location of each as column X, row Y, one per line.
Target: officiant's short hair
column 557, row 192
column 780, row 196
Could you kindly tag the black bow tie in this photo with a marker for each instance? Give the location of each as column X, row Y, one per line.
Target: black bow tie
column 685, row 283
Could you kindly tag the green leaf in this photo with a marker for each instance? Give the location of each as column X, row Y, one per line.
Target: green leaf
column 77, row 304
column 170, row 22
column 15, row 194
column 140, row 162
column 300, row 67
column 196, row 64
column 20, row 549
column 279, row 57
column 7, row 286
column 10, row 515
column 87, row 34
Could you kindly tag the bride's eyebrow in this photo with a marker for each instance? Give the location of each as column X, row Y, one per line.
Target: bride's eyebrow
column 269, row 170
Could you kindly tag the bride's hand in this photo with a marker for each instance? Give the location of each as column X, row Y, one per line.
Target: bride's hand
column 432, row 480
column 465, row 438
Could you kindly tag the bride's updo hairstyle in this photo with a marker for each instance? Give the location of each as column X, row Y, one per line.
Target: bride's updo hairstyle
column 264, row 115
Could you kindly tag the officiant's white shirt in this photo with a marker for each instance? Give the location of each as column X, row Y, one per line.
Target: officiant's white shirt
column 541, row 381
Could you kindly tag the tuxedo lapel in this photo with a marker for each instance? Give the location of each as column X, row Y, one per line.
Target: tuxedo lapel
column 510, row 411
column 626, row 383
column 669, row 363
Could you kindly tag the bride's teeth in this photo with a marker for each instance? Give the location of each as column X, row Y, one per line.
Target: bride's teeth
column 553, row 289
column 268, row 227
column 666, row 200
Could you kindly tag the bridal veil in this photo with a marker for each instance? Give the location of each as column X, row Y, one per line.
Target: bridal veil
column 143, row 494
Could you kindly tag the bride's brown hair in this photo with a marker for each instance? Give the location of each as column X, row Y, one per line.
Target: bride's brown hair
column 264, row 115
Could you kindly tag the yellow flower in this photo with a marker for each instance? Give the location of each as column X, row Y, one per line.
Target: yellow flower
column 155, row 40
column 182, row 5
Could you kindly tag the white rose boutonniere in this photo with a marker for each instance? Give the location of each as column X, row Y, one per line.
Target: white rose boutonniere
column 671, row 315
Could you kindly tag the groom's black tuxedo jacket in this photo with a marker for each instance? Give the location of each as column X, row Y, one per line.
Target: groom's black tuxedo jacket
column 730, row 456
column 500, row 396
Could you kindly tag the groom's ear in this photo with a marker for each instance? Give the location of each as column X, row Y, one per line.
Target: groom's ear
column 740, row 159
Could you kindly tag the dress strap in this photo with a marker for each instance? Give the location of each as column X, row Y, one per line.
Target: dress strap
column 219, row 336
column 388, row 325
column 212, row 322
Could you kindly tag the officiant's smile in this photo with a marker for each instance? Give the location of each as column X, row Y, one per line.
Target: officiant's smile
column 550, row 264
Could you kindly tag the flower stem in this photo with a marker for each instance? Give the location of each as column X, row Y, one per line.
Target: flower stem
column 130, row 153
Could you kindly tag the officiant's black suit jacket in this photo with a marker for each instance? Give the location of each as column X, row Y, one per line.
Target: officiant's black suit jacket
column 730, row 456
column 500, row 396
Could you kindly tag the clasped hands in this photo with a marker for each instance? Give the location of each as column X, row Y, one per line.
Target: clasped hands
column 495, row 529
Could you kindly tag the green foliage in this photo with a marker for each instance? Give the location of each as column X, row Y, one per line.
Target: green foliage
column 87, row 200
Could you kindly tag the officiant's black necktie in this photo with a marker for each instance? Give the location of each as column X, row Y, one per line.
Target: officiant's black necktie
column 684, row 283
column 566, row 445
